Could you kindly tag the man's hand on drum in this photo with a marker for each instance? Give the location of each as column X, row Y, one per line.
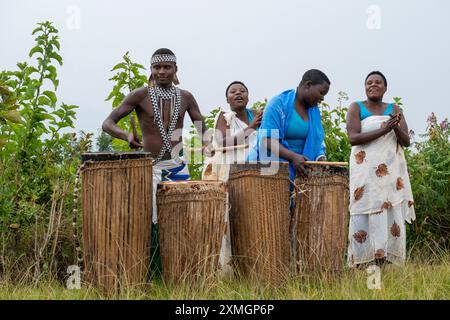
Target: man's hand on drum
column 298, row 161
column 133, row 141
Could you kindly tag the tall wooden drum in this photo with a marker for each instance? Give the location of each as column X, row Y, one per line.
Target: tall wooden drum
column 259, row 221
column 191, row 227
column 117, row 208
column 321, row 218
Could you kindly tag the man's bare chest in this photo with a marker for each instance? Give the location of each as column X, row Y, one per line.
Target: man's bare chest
column 166, row 111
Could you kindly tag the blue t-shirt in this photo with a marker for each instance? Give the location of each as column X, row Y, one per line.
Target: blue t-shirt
column 250, row 115
column 296, row 132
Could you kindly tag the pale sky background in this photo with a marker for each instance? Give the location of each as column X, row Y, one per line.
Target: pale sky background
column 267, row 44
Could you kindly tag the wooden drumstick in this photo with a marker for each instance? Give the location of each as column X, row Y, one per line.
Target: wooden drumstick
column 326, row 163
column 244, row 146
column 133, row 128
column 238, row 147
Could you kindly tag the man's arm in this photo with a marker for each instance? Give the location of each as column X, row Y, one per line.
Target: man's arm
column 126, row 107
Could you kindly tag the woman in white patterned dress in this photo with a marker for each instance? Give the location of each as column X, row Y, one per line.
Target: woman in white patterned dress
column 380, row 192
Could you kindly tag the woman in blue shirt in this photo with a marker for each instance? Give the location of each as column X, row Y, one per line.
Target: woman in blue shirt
column 292, row 125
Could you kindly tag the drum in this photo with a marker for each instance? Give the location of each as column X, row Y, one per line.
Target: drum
column 191, row 228
column 116, row 191
column 321, row 219
column 259, row 221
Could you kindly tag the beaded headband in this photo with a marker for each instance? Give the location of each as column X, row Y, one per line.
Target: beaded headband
column 157, row 58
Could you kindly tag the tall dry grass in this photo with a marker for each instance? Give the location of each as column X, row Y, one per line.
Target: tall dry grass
column 421, row 277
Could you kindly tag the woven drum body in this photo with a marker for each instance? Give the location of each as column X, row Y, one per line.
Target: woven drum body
column 259, row 221
column 117, row 208
column 191, row 226
column 321, row 219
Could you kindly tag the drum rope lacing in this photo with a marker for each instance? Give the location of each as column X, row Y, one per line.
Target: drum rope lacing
column 75, row 235
column 299, row 187
column 297, row 190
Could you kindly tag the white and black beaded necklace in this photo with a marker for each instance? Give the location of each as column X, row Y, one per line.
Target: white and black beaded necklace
column 157, row 96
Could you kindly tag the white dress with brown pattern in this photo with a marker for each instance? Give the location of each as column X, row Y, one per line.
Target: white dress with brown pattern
column 380, row 198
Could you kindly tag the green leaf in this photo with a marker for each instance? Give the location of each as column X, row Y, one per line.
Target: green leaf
column 69, row 107
column 55, row 42
column 135, row 72
column 51, row 95
column 126, row 57
column 36, row 30
column 143, row 79
column 140, row 66
column 44, row 101
column 57, row 57
column 12, row 83
column 52, row 74
column 30, row 69
column 43, row 116
column 60, row 113
column 35, row 83
column 55, row 83
column 123, row 76
column 121, row 65
column 111, row 95
column 53, row 29
column 29, row 94
column 52, row 69
column 117, row 100
column 21, row 65
column 35, row 50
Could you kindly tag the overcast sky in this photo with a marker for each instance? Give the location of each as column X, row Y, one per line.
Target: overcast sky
column 267, row 44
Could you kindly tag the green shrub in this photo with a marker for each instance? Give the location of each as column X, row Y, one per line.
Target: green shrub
column 126, row 79
column 338, row 147
column 37, row 161
column 429, row 171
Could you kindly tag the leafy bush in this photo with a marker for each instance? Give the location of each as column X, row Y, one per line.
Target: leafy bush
column 338, row 147
column 192, row 145
column 429, row 171
column 127, row 78
column 37, row 161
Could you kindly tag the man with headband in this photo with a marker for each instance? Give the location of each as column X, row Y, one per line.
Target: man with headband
column 160, row 108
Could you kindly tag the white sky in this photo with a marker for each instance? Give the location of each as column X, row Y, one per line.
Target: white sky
column 267, row 44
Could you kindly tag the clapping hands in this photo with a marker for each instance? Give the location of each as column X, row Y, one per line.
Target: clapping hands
column 393, row 122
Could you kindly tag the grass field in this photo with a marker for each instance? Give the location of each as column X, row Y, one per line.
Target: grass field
column 415, row 280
